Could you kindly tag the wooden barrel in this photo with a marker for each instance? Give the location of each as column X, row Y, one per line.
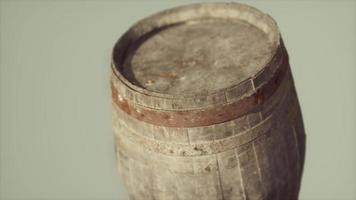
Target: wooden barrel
column 204, row 107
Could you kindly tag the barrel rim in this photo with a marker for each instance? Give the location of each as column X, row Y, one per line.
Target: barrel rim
column 226, row 10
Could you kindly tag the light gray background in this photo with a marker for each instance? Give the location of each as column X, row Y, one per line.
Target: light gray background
column 56, row 139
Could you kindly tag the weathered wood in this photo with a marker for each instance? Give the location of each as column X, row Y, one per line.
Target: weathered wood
column 204, row 107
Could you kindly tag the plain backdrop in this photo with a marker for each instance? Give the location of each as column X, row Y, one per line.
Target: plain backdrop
column 55, row 125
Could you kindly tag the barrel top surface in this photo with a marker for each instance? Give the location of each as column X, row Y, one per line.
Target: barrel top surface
column 198, row 56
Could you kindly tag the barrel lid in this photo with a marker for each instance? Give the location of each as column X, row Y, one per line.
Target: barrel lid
column 198, row 57
column 197, row 50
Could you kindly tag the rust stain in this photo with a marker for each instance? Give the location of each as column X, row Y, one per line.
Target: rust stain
column 123, row 104
column 168, row 74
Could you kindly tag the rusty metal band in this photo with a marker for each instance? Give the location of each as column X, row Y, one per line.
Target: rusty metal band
column 207, row 116
column 124, row 133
